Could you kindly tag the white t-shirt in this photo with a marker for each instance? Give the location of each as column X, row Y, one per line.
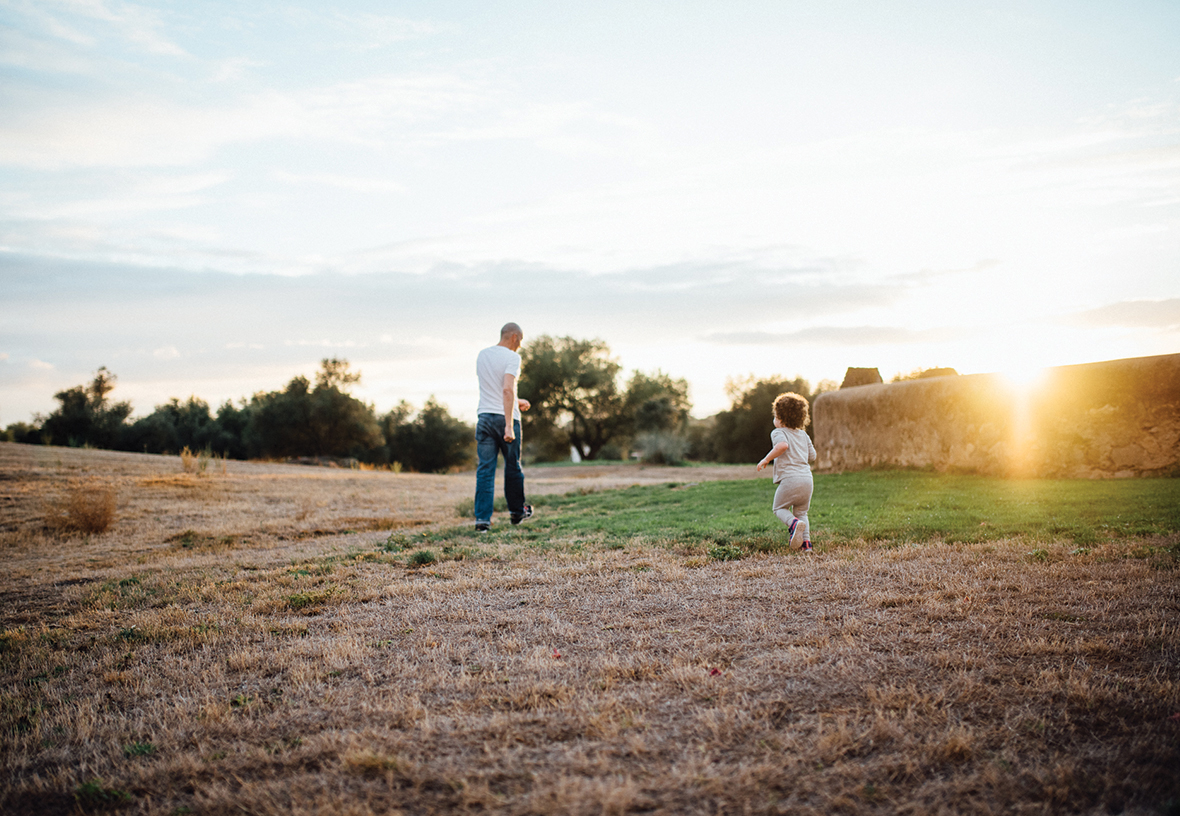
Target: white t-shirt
column 491, row 365
column 795, row 459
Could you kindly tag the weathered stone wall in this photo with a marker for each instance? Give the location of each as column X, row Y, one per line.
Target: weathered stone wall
column 1117, row 418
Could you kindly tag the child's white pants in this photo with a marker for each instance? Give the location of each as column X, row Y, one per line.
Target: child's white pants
column 792, row 497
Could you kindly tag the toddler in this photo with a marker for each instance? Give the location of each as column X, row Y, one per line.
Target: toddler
column 792, row 453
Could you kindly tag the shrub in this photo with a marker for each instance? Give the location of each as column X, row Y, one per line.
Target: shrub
column 397, row 542
column 86, row 508
column 93, row 795
column 196, row 463
column 421, row 558
column 662, row 447
column 725, row 552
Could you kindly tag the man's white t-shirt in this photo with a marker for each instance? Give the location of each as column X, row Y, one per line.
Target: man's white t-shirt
column 491, row 365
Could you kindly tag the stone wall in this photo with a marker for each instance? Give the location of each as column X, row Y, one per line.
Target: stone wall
column 1113, row 419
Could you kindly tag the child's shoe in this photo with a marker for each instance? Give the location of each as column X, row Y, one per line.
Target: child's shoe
column 791, row 533
column 807, row 547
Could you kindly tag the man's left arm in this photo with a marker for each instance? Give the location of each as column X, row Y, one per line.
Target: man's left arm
column 510, row 405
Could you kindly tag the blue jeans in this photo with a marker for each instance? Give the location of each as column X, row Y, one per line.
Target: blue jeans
column 489, row 441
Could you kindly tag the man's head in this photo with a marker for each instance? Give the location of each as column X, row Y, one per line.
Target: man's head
column 511, row 336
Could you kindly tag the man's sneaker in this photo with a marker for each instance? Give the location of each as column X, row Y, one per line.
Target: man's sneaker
column 791, row 532
column 807, row 547
column 517, row 518
column 482, row 526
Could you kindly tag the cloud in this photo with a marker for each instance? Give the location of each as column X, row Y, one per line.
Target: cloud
column 232, row 69
column 166, row 353
column 40, row 365
column 367, row 32
column 356, row 183
column 835, row 335
column 134, row 23
column 1130, row 313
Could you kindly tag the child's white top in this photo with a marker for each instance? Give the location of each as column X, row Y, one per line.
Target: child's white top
column 795, row 459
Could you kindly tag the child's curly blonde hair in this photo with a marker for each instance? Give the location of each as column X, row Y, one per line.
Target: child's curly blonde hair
column 791, row 410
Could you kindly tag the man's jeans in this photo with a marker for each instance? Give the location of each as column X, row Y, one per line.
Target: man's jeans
column 489, row 441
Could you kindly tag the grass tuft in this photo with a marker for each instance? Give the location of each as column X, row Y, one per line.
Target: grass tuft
column 86, row 508
column 422, row 558
column 94, row 795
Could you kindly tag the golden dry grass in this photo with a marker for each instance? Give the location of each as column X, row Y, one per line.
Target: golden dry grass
column 241, row 643
column 86, row 507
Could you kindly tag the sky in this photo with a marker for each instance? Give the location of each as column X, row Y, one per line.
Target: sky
column 208, row 198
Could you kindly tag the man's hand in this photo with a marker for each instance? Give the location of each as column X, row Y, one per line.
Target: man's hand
column 509, row 434
column 524, row 404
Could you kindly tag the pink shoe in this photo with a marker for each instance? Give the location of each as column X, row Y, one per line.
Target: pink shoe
column 807, row 547
column 791, row 532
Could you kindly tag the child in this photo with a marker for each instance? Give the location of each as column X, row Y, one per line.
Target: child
column 792, row 453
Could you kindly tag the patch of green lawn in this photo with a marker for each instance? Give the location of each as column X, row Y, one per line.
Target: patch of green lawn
column 896, row 506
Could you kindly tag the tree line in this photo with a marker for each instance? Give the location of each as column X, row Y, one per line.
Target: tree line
column 578, row 405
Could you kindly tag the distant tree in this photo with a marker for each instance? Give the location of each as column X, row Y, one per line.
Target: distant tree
column 176, row 425
column 280, row 421
column 656, row 402
column 324, row 421
column 431, row 442
column 742, row 433
column 28, row 433
column 232, row 423
column 336, row 373
column 154, row 433
column 572, row 385
column 85, row 416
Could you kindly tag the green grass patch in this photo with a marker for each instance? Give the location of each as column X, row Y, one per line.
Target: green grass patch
column 887, row 506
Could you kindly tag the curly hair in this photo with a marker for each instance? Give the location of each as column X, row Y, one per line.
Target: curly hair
column 791, row 410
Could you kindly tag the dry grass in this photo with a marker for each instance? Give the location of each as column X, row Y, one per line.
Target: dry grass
column 88, row 507
column 283, row 664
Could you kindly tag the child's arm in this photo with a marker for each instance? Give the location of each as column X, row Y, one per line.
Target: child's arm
column 775, row 452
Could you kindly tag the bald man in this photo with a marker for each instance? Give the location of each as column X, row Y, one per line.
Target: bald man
column 497, row 429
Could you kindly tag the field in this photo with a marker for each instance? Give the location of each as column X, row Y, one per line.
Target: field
column 272, row 639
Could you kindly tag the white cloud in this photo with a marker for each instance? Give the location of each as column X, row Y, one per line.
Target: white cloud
column 1130, row 313
column 356, row 183
column 166, row 353
column 234, row 68
column 135, row 23
column 368, row 32
column 40, row 365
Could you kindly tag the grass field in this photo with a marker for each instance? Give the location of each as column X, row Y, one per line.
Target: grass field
column 275, row 639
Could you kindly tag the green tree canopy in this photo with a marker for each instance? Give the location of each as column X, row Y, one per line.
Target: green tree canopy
column 742, row 434
column 85, row 416
column 432, row 442
column 656, row 402
column 576, row 400
column 572, row 385
column 324, row 421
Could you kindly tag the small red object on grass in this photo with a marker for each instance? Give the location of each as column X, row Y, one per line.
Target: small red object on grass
column 714, row 672
column 1175, row 717
column 556, row 654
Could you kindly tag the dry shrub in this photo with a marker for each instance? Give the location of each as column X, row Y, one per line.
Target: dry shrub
column 85, row 508
column 197, row 462
column 188, row 460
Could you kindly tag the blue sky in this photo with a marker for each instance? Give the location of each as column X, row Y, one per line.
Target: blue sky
column 208, row 198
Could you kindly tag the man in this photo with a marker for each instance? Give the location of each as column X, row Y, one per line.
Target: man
column 497, row 429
